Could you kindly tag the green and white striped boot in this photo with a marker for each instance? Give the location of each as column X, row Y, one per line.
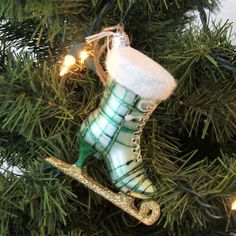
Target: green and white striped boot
column 135, row 87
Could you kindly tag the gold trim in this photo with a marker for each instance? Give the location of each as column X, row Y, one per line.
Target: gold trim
column 148, row 212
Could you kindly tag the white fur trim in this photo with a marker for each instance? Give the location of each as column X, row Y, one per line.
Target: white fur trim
column 139, row 73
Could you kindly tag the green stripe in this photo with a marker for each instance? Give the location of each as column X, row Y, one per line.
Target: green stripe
column 137, row 168
column 147, row 188
column 106, row 116
column 136, row 176
column 125, row 164
column 139, row 184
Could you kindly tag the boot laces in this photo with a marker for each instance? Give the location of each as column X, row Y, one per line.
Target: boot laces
column 137, row 134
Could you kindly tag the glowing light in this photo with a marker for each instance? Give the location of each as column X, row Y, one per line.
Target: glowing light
column 233, row 206
column 64, row 70
column 83, row 55
column 69, row 61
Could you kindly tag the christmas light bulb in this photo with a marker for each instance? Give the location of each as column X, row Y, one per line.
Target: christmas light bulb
column 71, row 58
column 69, row 61
column 64, row 70
column 83, row 55
column 233, row 206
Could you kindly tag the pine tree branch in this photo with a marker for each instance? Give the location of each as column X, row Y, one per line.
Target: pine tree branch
column 40, row 114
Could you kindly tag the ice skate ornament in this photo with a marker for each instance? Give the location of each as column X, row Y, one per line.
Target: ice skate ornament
column 134, row 86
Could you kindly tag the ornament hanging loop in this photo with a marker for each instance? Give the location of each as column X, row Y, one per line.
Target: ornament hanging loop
column 115, row 37
column 106, row 32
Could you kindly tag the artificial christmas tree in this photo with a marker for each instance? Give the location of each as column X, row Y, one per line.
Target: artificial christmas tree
column 187, row 145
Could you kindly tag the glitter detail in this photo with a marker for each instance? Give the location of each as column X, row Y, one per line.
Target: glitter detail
column 148, row 212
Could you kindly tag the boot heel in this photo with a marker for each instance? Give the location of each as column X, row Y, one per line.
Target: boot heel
column 85, row 150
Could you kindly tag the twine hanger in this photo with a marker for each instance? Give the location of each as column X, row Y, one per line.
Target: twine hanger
column 101, row 49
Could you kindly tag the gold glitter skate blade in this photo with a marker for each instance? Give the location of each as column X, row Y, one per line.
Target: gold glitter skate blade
column 148, row 212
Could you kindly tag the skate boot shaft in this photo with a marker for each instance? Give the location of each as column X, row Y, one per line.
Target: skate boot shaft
column 113, row 131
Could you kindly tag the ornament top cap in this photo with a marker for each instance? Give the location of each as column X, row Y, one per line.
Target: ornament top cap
column 115, row 35
column 120, row 40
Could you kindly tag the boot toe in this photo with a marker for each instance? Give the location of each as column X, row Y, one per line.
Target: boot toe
column 147, row 188
column 144, row 191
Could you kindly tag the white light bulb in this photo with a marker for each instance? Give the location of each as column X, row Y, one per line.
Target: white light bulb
column 83, row 55
column 69, row 61
column 233, row 206
column 64, row 70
